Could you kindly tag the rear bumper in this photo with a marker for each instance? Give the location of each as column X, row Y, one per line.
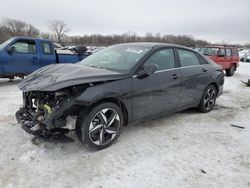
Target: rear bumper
column 220, row 90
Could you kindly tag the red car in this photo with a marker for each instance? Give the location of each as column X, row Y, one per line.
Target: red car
column 225, row 56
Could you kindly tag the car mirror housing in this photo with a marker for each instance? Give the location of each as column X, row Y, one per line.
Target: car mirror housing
column 11, row 49
column 147, row 70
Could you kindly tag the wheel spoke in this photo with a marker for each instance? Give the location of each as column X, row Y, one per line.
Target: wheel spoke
column 96, row 128
column 101, row 137
column 102, row 117
column 212, row 95
column 112, row 118
column 110, row 131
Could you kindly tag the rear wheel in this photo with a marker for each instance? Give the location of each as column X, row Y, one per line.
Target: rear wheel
column 208, row 99
column 231, row 70
column 101, row 126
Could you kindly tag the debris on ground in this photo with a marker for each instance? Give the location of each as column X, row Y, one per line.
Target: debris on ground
column 237, row 126
column 203, row 171
column 247, row 83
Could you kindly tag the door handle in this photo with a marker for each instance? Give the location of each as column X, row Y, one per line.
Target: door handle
column 204, row 70
column 175, row 76
column 34, row 57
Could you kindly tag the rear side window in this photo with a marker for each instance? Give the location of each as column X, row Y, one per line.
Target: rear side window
column 228, row 52
column 222, row 52
column 25, row 46
column 235, row 52
column 164, row 59
column 47, row 48
column 188, row 58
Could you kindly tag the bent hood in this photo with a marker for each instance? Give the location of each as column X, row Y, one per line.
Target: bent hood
column 54, row 77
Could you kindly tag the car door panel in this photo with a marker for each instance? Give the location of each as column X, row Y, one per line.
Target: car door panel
column 194, row 78
column 194, row 81
column 26, row 57
column 159, row 92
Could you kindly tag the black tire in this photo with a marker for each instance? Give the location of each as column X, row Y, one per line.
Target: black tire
column 99, row 127
column 208, row 99
column 231, row 70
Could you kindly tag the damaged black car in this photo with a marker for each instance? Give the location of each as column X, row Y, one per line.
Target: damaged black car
column 115, row 86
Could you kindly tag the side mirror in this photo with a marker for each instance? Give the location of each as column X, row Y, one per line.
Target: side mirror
column 11, row 49
column 147, row 70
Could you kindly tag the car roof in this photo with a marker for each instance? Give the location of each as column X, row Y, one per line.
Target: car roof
column 30, row 38
column 154, row 44
column 217, row 46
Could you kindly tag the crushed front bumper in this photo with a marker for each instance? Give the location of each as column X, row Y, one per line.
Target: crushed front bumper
column 38, row 129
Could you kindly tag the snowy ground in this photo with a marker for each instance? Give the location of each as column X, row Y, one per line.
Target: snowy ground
column 187, row 149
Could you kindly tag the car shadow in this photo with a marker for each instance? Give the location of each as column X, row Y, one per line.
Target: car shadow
column 6, row 82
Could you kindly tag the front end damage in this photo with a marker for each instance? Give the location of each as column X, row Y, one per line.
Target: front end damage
column 44, row 113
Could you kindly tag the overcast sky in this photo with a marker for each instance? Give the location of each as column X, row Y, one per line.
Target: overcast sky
column 212, row 20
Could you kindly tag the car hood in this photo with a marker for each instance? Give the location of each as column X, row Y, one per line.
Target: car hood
column 55, row 77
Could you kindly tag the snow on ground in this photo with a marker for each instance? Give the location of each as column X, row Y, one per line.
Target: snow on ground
column 186, row 149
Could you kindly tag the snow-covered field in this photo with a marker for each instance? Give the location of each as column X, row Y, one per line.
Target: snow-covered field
column 187, row 149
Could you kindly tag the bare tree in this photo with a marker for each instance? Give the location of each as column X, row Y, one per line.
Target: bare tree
column 13, row 27
column 31, row 31
column 58, row 29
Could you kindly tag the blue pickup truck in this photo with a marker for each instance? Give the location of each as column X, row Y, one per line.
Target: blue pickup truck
column 20, row 56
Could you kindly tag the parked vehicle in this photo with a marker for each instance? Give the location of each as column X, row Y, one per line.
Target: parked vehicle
column 20, row 56
column 115, row 86
column 244, row 55
column 248, row 59
column 225, row 56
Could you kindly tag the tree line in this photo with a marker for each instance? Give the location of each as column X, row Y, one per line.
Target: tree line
column 58, row 32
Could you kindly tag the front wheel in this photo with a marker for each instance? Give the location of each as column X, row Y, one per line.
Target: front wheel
column 101, row 126
column 208, row 99
column 231, row 70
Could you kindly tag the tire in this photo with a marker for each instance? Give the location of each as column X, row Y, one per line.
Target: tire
column 99, row 127
column 231, row 70
column 208, row 99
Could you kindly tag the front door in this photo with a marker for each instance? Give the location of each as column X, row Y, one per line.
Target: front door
column 24, row 59
column 158, row 92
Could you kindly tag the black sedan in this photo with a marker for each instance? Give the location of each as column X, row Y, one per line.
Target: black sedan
column 115, row 86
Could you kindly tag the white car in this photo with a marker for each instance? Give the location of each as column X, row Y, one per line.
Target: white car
column 244, row 55
column 248, row 59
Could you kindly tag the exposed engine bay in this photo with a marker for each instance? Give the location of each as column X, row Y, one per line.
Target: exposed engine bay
column 44, row 113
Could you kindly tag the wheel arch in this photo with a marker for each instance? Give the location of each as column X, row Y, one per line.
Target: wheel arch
column 119, row 103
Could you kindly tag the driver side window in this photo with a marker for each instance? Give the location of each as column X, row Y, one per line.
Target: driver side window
column 25, row 46
column 164, row 59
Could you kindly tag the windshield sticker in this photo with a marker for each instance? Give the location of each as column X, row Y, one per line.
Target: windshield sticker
column 134, row 50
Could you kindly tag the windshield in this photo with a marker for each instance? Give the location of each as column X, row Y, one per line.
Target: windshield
column 119, row 58
column 209, row 51
column 3, row 45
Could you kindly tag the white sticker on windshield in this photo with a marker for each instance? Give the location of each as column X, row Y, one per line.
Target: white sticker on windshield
column 134, row 50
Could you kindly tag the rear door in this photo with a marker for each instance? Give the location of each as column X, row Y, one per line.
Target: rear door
column 195, row 77
column 158, row 92
column 222, row 59
column 25, row 58
column 48, row 55
column 235, row 55
column 229, row 58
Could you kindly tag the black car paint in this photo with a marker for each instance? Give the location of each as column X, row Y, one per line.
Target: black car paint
column 163, row 91
column 55, row 77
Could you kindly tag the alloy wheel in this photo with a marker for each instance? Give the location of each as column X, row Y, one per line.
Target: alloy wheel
column 210, row 98
column 104, row 126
